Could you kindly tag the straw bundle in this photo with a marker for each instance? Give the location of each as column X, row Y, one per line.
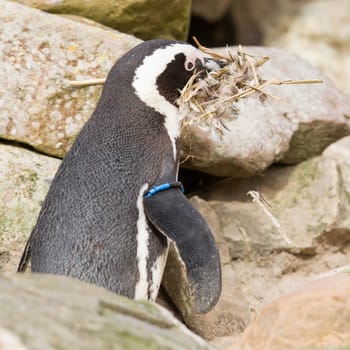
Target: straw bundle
column 214, row 99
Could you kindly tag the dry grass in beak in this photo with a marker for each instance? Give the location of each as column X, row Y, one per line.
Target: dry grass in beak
column 212, row 99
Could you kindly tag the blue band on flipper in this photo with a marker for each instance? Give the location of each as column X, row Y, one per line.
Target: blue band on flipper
column 164, row 187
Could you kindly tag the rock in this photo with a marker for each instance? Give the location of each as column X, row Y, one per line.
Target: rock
column 24, row 181
column 310, row 117
column 146, row 19
column 40, row 53
column 253, row 20
column 56, row 312
column 295, row 27
column 315, row 316
column 326, row 46
column 339, row 150
column 307, row 204
column 211, row 11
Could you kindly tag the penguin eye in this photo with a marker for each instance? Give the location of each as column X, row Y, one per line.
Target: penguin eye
column 189, row 65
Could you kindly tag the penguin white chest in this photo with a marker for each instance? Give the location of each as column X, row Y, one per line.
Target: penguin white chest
column 150, row 278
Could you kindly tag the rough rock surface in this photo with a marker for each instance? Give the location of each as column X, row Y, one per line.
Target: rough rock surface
column 146, row 19
column 42, row 52
column 310, row 117
column 39, row 54
column 316, row 316
column 24, row 181
column 307, row 204
column 56, row 312
column 295, row 26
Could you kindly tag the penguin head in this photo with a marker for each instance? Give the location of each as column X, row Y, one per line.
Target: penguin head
column 154, row 72
column 166, row 68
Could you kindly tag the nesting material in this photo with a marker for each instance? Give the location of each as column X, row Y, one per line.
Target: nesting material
column 213, row 99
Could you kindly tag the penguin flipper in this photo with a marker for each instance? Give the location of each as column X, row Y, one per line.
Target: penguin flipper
column 171, row 213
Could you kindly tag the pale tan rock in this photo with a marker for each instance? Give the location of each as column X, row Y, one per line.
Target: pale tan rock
column 25, row 177
column 315, row 316
column 39, row 54
column 339, row 150
column 308, row 119
column 9, row 341
column 325, row 46
column 143, row 18
column 295, row 26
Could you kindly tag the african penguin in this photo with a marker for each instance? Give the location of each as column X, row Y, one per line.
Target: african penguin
column 115, row 203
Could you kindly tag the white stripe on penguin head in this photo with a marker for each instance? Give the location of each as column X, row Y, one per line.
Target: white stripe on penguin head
column 145, row 85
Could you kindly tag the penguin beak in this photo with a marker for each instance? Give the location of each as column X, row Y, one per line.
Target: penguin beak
column 207, row 65
column 212, row 65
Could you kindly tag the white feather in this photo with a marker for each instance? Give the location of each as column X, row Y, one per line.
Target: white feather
column 157, row 274
column 142, row 253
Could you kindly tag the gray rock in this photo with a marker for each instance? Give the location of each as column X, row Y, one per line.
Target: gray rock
column 295, row 27
column 302, row 125
column 39, row 54
column 145, row 19
column 299, row 229
column 24, row 181
column 56, row 312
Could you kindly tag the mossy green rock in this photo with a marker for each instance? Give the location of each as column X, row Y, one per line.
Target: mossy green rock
column 146, row 19
column 55, row 312
column 24, row 181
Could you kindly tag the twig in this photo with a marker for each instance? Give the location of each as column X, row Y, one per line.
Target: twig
column 257, row 88
column 256, row 196
column 209, row 51
column 252, row 67
column 261, row 62
column 291, row 82
column 84, row 83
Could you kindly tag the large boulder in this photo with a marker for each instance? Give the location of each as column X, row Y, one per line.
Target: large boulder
column 146, row 19
column 39, row 54
column 56, row 312
column 25, row 177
